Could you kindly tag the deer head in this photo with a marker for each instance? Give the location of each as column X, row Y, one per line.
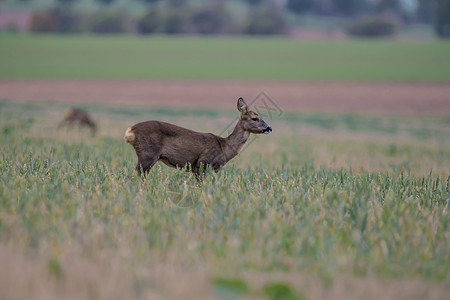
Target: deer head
column 251, row 121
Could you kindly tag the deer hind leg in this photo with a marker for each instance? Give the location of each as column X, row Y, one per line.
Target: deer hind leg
column 61, row 124
column 145, row 163
column 65, row 123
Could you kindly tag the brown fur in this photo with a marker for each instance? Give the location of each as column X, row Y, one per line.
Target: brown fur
column 80, row 117
column 179, row 147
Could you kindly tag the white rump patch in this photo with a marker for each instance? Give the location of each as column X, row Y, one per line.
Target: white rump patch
column 129, row 136
column 68, row 112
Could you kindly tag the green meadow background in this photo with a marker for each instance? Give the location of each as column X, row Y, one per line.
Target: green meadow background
column 129, row 57
column 328, row 206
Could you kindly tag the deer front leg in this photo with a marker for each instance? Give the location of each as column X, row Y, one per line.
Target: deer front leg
column 199, row 170
column 213, row 160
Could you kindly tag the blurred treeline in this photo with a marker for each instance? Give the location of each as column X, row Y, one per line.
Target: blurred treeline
column 264, row 17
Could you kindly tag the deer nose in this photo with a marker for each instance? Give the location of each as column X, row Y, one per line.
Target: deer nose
column 267, row 130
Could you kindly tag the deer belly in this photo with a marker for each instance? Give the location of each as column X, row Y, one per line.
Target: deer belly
column 166, row 161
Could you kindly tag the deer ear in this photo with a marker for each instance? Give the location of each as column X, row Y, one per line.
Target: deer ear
column 241, row 105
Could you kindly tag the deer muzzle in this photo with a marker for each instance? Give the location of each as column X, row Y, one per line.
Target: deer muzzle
column 267, row 130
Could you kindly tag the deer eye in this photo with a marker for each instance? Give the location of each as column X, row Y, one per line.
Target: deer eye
column 255, row 119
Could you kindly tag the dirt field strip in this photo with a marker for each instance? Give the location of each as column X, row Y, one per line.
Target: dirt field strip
column 339, row 97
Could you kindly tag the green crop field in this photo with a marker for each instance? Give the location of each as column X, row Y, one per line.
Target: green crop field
column 327, row 206
column 56, row 57
column 354, row 207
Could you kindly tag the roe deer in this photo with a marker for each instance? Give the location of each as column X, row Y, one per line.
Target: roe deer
column 76, row 115
column 179, row 147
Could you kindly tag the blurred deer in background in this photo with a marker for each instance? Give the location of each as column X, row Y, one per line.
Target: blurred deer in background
column 78, row 116
column 179, row 147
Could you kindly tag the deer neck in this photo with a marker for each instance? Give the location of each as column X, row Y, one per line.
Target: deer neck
column 235, row 141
